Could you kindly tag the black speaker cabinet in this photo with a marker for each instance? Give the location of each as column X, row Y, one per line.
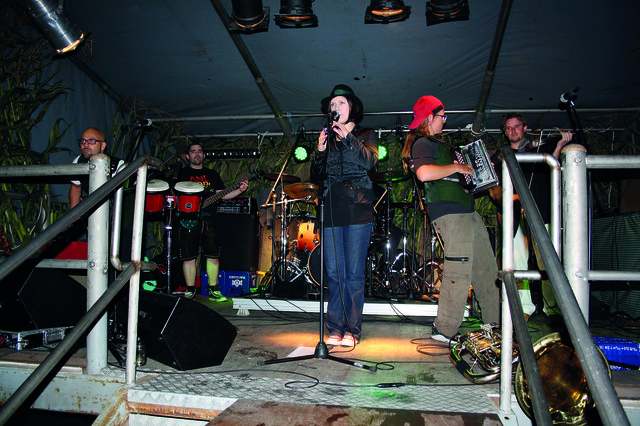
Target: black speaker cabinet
column 183, row 333
column 48, row 298
column 238, row 242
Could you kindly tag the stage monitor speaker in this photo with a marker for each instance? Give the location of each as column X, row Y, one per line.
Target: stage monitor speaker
column 238, row 235
column 182, row 333
column 48, row 298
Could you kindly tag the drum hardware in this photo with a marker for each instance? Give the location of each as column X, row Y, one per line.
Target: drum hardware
column 158, row 200
column 299, row 237
column 391, row 273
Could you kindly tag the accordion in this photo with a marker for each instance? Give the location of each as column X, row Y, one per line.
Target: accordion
column 484, row 175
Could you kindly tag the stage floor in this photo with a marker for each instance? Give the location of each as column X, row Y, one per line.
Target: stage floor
column 396, row 373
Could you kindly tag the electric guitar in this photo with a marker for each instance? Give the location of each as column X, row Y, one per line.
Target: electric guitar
column 192, row 223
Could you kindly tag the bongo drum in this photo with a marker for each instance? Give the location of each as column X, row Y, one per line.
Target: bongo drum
column 189, row 198
column 156, row 192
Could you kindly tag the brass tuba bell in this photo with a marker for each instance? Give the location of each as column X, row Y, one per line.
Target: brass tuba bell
column 564, row 382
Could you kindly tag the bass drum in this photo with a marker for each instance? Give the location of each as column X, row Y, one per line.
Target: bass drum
column 314, row 266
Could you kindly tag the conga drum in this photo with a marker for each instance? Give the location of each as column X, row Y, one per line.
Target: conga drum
column 189, row 199
column 157, row 190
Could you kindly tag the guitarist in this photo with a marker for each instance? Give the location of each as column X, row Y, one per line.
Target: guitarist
column 526, row 256
column 203, row 235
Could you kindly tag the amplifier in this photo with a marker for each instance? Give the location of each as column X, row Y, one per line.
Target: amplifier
column 238, row 205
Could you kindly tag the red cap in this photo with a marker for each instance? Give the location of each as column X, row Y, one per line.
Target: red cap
column 425, row 106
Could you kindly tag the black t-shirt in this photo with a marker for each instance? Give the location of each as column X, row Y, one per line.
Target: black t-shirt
column 210, row 180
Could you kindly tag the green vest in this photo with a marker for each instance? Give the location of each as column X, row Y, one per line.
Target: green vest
column 446, row 189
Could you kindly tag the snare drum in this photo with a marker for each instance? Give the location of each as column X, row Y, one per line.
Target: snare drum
column 156, row 192
column 189, row 198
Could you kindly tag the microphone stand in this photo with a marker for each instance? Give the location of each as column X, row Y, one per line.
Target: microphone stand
column 321, row 350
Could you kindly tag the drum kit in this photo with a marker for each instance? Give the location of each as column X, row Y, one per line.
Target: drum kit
column 160, row 204
column 296, row 251
column 391, row 272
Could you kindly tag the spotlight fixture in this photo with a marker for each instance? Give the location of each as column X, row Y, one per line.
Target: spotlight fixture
column 249, row 16
column 296, row 14
column 301, row 154
column 234, row 153
column 439, row 11
column 383, row 151
column 384, row 12
column 49, row 16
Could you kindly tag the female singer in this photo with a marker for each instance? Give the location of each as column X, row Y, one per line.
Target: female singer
column 346, row 151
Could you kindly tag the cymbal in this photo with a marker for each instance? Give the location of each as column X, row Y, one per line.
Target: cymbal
column 402, row 205
column 285, row 177
column 301, row 190
column 396, row 176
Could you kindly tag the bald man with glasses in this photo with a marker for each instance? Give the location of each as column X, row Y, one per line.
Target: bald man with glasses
column 91, row 142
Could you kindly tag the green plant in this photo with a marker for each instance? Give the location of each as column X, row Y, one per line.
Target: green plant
column 27, row 90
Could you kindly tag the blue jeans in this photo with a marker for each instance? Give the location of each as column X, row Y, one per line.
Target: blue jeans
column 345, row 252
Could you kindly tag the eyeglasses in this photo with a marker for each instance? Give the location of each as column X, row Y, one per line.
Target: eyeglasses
column 444, row 117
column 91, row 141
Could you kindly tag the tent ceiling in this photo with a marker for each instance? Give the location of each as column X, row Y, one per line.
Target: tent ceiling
column 176, row 56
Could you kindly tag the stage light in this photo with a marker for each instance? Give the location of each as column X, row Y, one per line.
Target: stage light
column 301, row 154
column 384, row 12
column 49, row 16
column 383, row 151
column 234, row 153
column 296, row 14
column 249, row 16
column 439, row 11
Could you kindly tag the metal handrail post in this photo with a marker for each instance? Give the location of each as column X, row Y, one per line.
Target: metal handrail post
column 576, row 224
column 134, row 284
column 506, row 359
column 97, row 266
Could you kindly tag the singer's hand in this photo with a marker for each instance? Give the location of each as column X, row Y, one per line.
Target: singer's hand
column 340, row 129
column 322, row 140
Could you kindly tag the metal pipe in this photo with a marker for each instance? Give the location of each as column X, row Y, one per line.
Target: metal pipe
column 250, row 117
column 54, row 360
column 506, row 359
column 501, row 27
column 97, row 263
column 614, row 276
column 576, row 233
column 527, row 355
column 595, row 369
column 134, row 287
column 46, row 170
column 255, row 71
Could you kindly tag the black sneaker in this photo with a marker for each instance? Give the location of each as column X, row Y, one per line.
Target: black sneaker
column 436, row 335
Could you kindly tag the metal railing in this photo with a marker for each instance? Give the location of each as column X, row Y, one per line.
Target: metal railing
column 99, row 295
column 570, row 296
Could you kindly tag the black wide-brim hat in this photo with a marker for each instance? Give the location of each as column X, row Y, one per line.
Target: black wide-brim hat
column 340, row 90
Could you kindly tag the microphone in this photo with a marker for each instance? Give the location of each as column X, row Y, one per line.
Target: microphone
column 570, row 95
column 335, row 115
